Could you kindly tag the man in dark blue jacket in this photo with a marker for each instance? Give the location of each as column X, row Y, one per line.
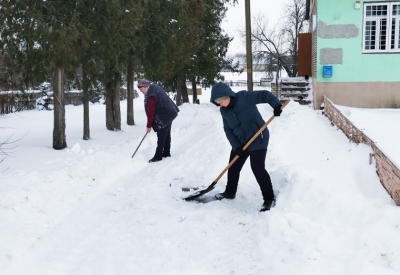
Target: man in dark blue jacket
column 160, row 111
column 242, row 120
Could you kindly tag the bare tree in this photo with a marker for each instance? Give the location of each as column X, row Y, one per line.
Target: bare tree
column 295, row 24
column 7, row 148
column 268, row 46
column 279, row 47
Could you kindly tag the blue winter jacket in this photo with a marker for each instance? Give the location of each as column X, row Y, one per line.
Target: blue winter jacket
column 241, row 117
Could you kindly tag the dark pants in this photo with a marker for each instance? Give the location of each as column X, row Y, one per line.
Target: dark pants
column 257, row 162
column 163, row 142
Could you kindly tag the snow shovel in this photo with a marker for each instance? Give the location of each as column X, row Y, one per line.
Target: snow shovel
column 212, row 186
column 139, row 145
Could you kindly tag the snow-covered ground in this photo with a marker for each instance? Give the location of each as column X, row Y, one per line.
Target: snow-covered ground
column 92, row 209
column 380, row 125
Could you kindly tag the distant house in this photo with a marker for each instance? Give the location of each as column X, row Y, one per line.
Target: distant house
column 355, row 52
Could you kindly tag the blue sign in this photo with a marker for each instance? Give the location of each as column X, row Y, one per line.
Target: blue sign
column 327, row 71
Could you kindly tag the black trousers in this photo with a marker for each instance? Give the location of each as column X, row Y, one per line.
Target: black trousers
column 257, row 162
column 163, row 142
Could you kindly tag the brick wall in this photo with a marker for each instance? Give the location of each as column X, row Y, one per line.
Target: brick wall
column 388, row 173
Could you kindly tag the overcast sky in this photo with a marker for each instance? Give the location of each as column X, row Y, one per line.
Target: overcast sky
column 235, row 19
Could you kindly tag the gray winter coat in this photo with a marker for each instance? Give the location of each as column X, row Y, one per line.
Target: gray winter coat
column 165, row 110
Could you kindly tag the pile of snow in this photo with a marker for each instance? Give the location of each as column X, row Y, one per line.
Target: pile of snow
column 294, row 79
column 43, row 103
column 229, row 76
column 92, row 209
column 380, row 125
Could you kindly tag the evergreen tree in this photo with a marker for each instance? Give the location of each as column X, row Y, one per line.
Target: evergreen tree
column 117, row 23
column 188, row 40
column 40, row 37
column 171, row 41
column 211, row 59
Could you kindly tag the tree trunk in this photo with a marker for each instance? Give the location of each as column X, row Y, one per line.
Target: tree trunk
column 59, row 138
column 194, row 89
column 117, row 104
column 85, row 101
column 182, row 91
column 109, row 106
column 130, row 97
column 113, row 112
column 178, row 93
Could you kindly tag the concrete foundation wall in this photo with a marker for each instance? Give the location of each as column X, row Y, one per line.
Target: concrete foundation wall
column 359, row 94
column 388, row 173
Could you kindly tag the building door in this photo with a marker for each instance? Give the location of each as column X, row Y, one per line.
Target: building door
column 305, row 59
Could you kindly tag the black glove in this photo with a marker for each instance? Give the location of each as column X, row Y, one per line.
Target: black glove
column 278, row 111
column 239, row 151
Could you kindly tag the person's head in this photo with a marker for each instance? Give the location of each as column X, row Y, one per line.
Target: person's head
column 143, row 85
column 221, row 94
column 223, row 101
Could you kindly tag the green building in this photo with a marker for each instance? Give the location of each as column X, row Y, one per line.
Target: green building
column 355, row 52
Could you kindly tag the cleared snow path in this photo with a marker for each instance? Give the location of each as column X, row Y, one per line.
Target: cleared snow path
column 91, row 209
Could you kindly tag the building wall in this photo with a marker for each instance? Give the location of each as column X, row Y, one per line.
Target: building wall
column 359, row 79
column 340, row 39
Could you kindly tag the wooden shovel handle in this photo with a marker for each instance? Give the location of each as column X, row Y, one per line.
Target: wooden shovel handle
column 139, row 145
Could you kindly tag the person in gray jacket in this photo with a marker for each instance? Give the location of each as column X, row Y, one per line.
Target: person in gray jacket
column 242, row 120
column 160, row 111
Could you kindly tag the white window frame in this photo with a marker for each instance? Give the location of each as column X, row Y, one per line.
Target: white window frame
column 389, row 25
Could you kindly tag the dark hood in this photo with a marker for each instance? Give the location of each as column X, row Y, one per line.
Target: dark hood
column 219, row 90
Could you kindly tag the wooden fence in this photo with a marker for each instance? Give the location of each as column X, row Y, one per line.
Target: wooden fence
column 15, row 102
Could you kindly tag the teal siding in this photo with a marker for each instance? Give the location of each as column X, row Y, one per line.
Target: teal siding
column 356, row 66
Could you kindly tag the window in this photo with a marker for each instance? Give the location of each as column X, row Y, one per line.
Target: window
column 381, row 27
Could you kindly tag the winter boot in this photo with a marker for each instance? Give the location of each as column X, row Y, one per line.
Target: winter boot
column 155, row 159
column 267, row 205
column 224, row 195
column 166, row 155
